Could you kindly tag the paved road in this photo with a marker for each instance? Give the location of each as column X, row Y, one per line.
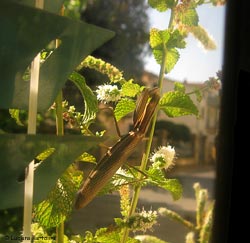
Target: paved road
column 102, row 210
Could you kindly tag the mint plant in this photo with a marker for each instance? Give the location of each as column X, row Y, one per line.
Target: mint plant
column 121, row 95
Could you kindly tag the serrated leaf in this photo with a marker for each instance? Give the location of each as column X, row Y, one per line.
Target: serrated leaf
column 14, row 113
column 90, row 100
column 161, row 5
column 179, row 87
column 130, row 89
column 59, row 204
column 123, row 107
column 189, row 17
column 202, row 35
column 158, row 38
column 156, row 177
column 176, row 40
column 174, row 187
column 176, row 103
column 172, row 57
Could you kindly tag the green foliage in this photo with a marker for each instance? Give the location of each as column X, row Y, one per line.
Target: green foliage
column 186, row 15
column 113, row 73
column 90, row 100
column 164, row 44
column 161, row 5
column 58, row 206
column 123, row 107
column 130, row 89
column 15, row 115
column 78, row 39
column 86, row 157
column 156, row 177
column 176, row 103
column 130, row 21
column 17, row 150
column 179, row 87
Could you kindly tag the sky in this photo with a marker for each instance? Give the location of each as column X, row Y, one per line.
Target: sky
column 195, row 63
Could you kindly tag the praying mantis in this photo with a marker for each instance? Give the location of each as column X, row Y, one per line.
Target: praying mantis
column 116, row 156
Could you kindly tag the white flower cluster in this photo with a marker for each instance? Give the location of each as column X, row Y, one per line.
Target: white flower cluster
column 108, row 93
column 143, row 220
column 163, row 157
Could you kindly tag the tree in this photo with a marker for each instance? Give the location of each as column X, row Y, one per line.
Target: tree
column 129, row 20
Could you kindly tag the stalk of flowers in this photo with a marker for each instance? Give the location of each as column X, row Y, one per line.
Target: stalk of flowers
column 143, row 220
column 163, row 157
column 108, row 93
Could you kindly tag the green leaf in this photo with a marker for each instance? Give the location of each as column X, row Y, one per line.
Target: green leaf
column 176, row 40
column 149, row 239
column 27, row 31
column 123, row 107
column 174, row 186
column 130, row 89
column 158, row 38
column 14, row 113
column 156, row 177
column 59, row 204
column 90, row 100
column 179, row 87
column 188, row 17
column 52, row 6
column 202, row 35
column 86, row 157
column 176, row 103
column 17, row 150
column 172, row 57
column 161, row 5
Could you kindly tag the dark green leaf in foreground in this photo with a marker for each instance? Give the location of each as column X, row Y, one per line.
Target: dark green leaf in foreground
column 17, row 150
column 27, row 31
column 176, row 103
column 59, row 204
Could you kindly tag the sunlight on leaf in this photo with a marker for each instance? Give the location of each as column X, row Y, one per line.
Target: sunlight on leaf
column 123, row 107
column 172, row 57
column 86, row 157
column 179, row 87
column 176, row 103
column 188, row 17
column 161, row 5
column 130, row 89
column 14, row 113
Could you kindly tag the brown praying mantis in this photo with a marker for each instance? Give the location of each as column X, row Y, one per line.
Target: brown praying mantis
column 116, row 156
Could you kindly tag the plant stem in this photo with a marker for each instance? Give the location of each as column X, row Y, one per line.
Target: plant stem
column 60, row 233
column 146, row 154
column 59, row 115
column 59, row 132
